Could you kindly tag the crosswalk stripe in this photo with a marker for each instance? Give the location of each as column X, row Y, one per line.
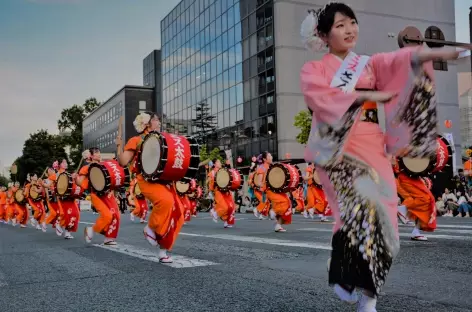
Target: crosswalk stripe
column 179, row 262
column 260, row 240
column 439, row 236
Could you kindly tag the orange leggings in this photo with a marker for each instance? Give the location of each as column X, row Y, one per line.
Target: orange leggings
column 3, row 212
column 22, row 214
column 263, row 207
column 39, row 213
column 281, row 205
column 53, row 213
column 161, row 217
column 221, row 206
column 109, row 212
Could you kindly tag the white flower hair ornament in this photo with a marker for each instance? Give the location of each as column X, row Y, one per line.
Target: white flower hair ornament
column 310, row 37
column 86, row 154
column 141, row 121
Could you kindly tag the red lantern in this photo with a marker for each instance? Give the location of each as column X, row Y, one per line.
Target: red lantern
column 287, row 155
column 448, row 123
column 240, row 160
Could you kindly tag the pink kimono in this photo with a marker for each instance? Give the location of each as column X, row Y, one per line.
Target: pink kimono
column 350, row 153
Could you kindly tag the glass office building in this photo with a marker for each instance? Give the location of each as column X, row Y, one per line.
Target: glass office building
column 218, row 58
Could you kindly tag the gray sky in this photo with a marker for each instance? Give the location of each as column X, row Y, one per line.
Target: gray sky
column 56, row 53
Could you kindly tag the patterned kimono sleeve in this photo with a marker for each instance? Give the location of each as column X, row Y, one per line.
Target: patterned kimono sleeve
column 411, row 117
column 334, row 114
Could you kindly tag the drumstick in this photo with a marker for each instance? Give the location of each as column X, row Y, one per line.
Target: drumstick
column 44, row 172
column 80, row 164
column 204, row 163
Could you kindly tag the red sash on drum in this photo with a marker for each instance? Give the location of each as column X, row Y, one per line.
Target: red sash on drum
column 111, row 231
column 71, row 215
column 166, row 239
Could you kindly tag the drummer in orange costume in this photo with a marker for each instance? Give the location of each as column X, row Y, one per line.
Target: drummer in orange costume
column 39, row 216
column 281, row 204
column 224, row 202
column 316, row 199
column 166, row 219
column 108, row 221
column 51, row 199
column 3, row 204
column 138, row 201
column 22, row 214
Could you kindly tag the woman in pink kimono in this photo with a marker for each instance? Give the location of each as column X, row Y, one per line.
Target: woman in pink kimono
column 350, row 149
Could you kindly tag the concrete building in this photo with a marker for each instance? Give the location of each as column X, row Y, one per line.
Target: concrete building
column 243, row 59
column 100, row 127
column 152, row 77
column 464, row 78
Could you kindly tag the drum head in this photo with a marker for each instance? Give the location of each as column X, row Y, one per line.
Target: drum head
column 222, row 178
column 19, row 196
column 62, row 183
column 33, row 194
column 276, row 177
column 97, row 178
column 316, row 178
column 416, row 165
column 151, row 154
column 182, row 187
column 137, row 190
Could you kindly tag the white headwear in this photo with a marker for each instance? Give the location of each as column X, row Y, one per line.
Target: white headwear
column 141, row 121
column 10, row 184
column 86, row 154
column 309, row 33
column 28, row 178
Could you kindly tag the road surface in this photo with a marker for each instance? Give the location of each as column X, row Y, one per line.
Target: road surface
column 246, row 268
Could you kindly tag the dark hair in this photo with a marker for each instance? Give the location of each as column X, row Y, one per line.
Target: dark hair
column 214, row 160
column 326, row 16
column 94, row 150
column 262, row 156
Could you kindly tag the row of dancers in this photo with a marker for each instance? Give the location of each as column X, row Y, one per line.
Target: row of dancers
column 352, row 155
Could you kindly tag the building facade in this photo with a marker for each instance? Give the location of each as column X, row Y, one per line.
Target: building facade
column 464, row 77
column 152, row 77
column 100, row 127
column 241, row 59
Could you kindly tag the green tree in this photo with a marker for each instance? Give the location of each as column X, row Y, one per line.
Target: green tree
column 214, row 153
column 4, row 180
column 204, row 123
column 40, row 150
column 70, row 124
column 303, row 123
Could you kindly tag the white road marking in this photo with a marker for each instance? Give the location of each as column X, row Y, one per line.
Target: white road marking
column 260, row 240
column 90, row 223
column 145, row 254
column 428, row 235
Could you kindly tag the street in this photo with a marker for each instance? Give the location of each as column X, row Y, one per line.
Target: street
column 246, row 268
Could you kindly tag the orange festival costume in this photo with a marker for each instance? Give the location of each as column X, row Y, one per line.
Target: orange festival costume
column 298, row 196
column 108, row 221
column 51, row 201
column 264, row 205
column 224, row 203
column 39, row 212
column 10, row 207
column 3, row 206
column 141, row 207
column 280, row 202
column 166, row 218
column 22, row 213
column 419, row 201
